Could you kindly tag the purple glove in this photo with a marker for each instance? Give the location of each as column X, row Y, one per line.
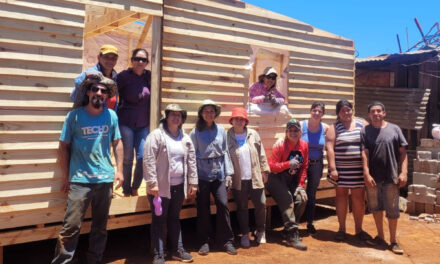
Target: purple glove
column 145, row 93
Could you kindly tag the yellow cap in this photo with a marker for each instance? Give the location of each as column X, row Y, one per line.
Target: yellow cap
column 107, row 48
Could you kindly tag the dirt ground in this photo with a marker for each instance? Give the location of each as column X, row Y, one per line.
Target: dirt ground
column 419, row 240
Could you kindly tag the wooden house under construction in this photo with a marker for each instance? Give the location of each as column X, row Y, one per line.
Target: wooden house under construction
column 199, row 49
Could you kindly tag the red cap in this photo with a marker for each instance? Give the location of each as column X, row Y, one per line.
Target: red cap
column 239, row 112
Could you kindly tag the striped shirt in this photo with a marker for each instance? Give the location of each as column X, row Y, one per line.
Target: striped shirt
column 348, row 155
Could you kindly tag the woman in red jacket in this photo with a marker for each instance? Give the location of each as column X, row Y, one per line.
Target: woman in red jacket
column 288, row 163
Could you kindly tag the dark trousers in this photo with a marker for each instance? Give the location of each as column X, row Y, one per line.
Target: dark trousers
column 170, row 216
column 78, row 200
column 224, row 232
column 314, row 174
column 258, row 198
column 282, row 187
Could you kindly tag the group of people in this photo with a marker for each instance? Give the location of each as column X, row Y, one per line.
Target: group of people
column 210, row 160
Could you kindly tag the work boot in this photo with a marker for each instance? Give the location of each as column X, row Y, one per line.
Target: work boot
column 295, row 240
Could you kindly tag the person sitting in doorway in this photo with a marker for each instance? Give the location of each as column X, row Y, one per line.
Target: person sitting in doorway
column 264, row 98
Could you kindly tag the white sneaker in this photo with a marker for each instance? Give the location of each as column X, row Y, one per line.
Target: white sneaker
column 260, row 237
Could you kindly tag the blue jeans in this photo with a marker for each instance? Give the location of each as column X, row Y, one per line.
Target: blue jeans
column 78, row 200
column 314, row 174
column 133, row 140
column 170, row 217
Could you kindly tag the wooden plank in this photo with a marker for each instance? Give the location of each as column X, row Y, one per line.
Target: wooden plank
column 32, row 171
column 205, row 83
column 11, row 189
column 156, row 68
column 151, row 7
column 47, row 6
column 144, row 32
column 40, row 27
column 322, row 91
column 196, row 69
column 204, row 51
column 36, row 73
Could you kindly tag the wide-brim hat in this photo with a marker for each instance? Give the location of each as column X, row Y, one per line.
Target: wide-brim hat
column 94, row 77
column 267, row 71
column 206, row 102
column 239, row 112
column 175, row 108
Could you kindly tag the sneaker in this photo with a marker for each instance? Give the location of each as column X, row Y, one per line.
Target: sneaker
column 396, row 248
column 204, row 249
column 245, row 242
column 295, row 240
column 311, row 229
column 182, row 255
column 230, row 249
column 377, row 241
column 364, row 236
column 260, row 237
column 340, row 236
column 158, row 259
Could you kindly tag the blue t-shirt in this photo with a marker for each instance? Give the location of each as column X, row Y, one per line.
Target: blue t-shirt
column 90, row 138
column 315, row 140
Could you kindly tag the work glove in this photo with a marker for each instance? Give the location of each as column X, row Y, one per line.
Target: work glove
column 228, row 181
column 273, row 100
column 300, row 190
column 294, row 165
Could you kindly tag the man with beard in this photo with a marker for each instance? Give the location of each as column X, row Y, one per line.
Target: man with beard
column 89, row 132
column 107, row 59
column 383, row 152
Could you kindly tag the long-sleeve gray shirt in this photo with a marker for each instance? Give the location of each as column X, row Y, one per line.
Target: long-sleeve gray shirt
column 213, row 160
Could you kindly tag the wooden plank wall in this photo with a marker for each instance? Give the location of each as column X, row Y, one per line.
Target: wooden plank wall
column 206, row 45
column 41, row 52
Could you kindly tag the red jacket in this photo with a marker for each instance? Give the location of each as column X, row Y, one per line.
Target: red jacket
column 279, row 159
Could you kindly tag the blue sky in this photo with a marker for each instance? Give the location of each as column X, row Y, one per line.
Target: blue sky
column 372, row 24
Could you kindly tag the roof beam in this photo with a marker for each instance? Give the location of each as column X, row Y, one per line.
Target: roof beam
column 111, row 20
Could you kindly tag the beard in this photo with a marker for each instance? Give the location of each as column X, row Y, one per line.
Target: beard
column 97, row 101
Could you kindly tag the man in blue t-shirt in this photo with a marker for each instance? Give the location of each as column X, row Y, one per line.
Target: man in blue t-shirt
column 84, row 154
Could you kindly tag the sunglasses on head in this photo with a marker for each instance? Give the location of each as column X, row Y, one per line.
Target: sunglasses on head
column 140, row 59
column 96, row 89
column 273, row 77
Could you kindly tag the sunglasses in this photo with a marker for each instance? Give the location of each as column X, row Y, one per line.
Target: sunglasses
column 96, row 89
column 140, row 59
column 272, row 77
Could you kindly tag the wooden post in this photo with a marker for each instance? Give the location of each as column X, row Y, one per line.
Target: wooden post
column 156, row 67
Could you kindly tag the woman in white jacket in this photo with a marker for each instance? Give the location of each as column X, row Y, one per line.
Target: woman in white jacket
column 170, row 172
